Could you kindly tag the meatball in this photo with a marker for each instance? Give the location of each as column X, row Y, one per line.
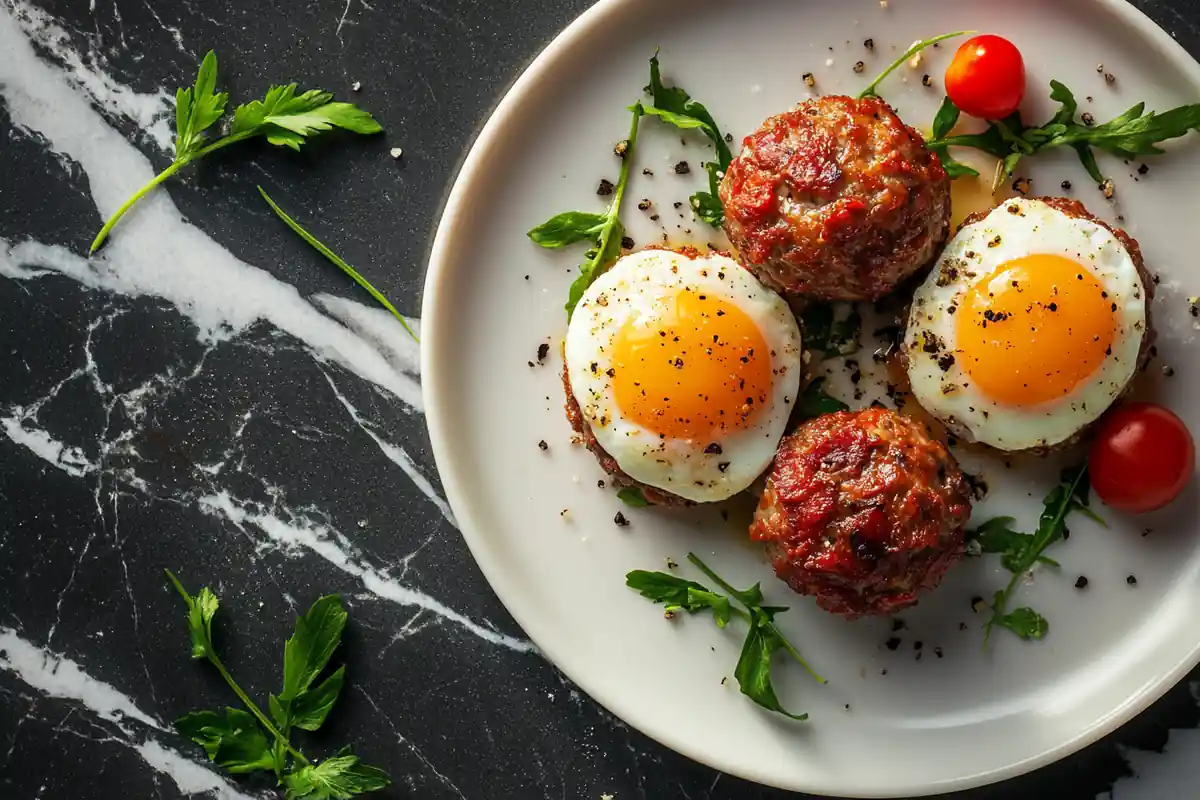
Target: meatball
column 863, row 510
column 836, row 199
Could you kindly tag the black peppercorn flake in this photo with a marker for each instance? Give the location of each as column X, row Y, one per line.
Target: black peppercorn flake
column 605, row 188
column 627, row 243
column 713, row 449
column 682, row 168
column 543, row 351
column 643, row 204
column 1131, row 580
column 1066, row 186
column 892, row 643
column 620, row 520
column 1081, row 582
column 543, row 446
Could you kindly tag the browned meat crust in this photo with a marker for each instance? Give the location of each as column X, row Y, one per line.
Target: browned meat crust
column 836, row 199
column 863, row 510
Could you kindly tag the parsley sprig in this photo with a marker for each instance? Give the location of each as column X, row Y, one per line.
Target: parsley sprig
column 1020, row 552
column 235, row 739
column 604, row 231
column 282, row 117
column 1135, row 133
column 676, row 107
column 763, row 638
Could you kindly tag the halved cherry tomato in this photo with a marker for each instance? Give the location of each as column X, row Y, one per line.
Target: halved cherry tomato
column 1142, row 458
column 987, row 77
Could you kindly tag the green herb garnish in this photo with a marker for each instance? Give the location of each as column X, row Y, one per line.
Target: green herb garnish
column 282, row 117
column 943, row 123
column 675, row 106
column 815, row 403
column 1020, row 552
column 909, row 53
column 832, row 328
column 763, row 639
column 632, row 496
column 604, row 231
column 1134, row 133
column 337, row 261
column 236, row 741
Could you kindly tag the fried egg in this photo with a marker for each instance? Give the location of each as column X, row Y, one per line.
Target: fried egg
column 1028, row 328
column 686, row 369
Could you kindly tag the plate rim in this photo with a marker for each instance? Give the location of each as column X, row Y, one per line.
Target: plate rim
column 487, row 139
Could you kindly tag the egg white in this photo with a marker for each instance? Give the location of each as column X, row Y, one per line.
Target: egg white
column 635, row 287
column 974, row 253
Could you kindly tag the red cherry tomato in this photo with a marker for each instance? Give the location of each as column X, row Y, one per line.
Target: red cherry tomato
column 1142, row 458
column 987, row 77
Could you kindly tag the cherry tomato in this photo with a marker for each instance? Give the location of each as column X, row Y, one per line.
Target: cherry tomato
column 987, row 77
column 1142, row 458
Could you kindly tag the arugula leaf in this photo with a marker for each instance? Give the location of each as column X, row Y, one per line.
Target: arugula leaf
column 1021, row 552
column 604, row 231
column 763, row 639
column 996, row 535
column 337, row 261
column 663, row 587
column 201, row 610
column 282, row 117
column 676, row 107
column 814, row 402
column 1026, row 623
column 567, row 228
column 1130, row 135
column 234, row 743
column 707, row 205
column 753, row 670
column 632, row 496
column 945, row 119
column 336, row 778
column 909, row 53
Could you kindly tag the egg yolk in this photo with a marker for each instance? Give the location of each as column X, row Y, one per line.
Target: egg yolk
column 1033, row 329
column 697, row 367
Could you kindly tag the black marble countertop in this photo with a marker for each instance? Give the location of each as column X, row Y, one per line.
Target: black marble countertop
column 219, row 404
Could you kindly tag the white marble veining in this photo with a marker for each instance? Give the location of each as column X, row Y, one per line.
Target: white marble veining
column 155, row 253
column 56, row 676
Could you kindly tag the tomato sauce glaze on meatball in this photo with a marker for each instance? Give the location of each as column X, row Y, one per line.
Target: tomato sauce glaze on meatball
column 836, row 199
column 863, row 510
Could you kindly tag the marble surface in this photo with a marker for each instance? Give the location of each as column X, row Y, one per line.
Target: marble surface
column 210, row 396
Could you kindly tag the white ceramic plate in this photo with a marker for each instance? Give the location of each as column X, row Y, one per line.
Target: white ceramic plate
column 933, row 725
